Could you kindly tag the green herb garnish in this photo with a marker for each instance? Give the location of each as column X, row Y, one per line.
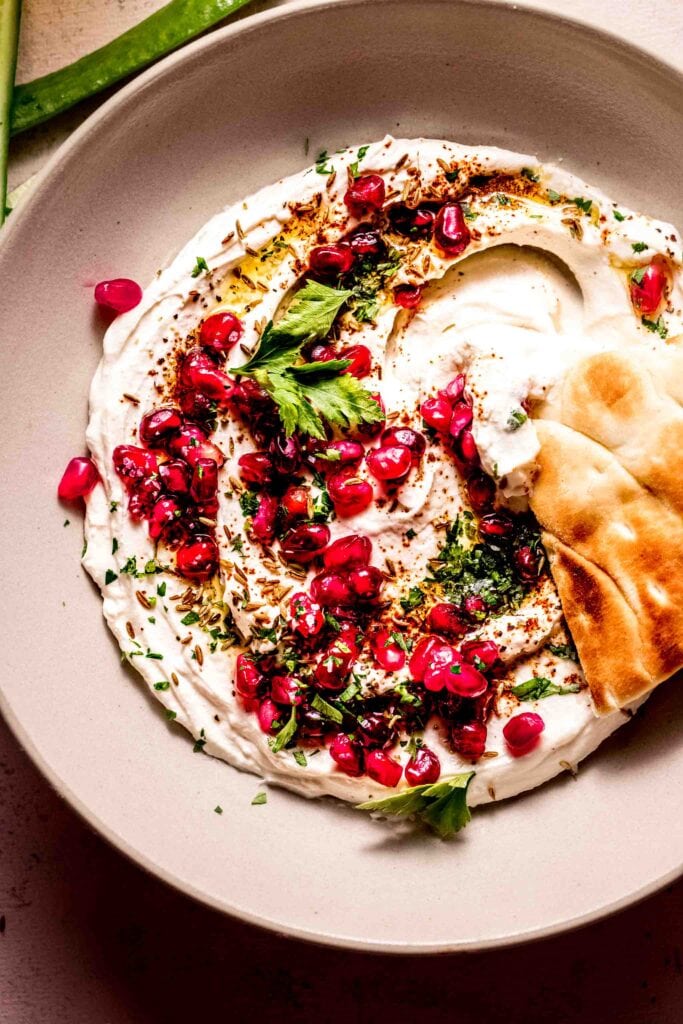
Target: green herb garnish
column 109, row 577
column 327, row 710
column 286, row 733
column 516, row 419
column 639, row 246
column 442, row 806
column 200, row 267
column 260, row 798
column 583, row 204
column 190, row 619
column 539, row 687
column 618, row 215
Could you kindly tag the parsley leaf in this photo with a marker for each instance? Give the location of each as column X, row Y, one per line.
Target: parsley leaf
column 527, row 172
column 190, row 619
column 200, row 266
column 327, row 710
column 414, row 599
column 321, row 164
column 109, row 577
column 249, row 502
column 300, row 758
column 618, row 215
column 516, row 419
column 553, row 196
column 163, row 685
column 639, row 246
column 638, row 275
column 442, row 806
column 260, row 798
column 539, row 687
column 563, row 651
column 285, row 734
column 657, row 326
column 583, row 204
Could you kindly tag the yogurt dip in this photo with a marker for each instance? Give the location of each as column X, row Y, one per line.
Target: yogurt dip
column 458, row 285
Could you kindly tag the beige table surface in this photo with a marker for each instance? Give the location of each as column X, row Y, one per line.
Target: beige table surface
column 88, row 938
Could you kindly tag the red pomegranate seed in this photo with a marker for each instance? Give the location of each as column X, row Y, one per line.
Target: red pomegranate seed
column 220, row 332
column 443, row 662
column 247, row 677
column 349, row 494
column 496, row 524
column 527, row 564
column 195, row 406
column 446, row 619
column 460, row 419
column 373, row 429
column 346, row 754
column 407, row 296
column 305, row 542
column 481, row 491
column 204, row 480
column 340, row 453
column 175, row 477
column 286, row 453
column 424, row 768
column 475, row 607
column 199, row 373
column 523, row 732
column 422, row 654
column 119, row 294
column 256, row 468
column 134, row 464
column 192, row 444
column 165, row 515
column 375, row 731
column 417, row 223
column 386, row 652
column 306, row 616
column 250, row 399
column 145, row 493
column 296, row 503
column 366, row 582
column 647, row 288
column 361, row 360
column 323, row 353
column 158, row 424
column 329, row 589
column 469, row 740
column 348, row 552
column 437, row 412
column 467, row 681
column 453, row 391
column 390, row 462
column 407, row 437
column 382, row 768
column 264, row 520
column 197, row 559
column 365, row 194
column 335, row 662
column 467, row 448
column 331, row 260
column 78, row 479
column 269, row 716
column 366, row 242
column 286, row 690
column 481, row 653
column 451, row 233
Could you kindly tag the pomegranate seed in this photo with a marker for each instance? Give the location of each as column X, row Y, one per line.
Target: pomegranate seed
column 348, row 552
column 145, row 493
column 407, row 296
column 366, row 582
column 264, row 520
column 475, row 607
column 460, row 419
column 175, row 477
column 335, row 663
column 286, row 690
column 196, row 406
column 329, row 589
column 481, row 491
column 134, row 464
column 157, row 425
column 390, row 462
column 346, row 754
column 247, row 677
column 250, row 399
column 365, row 194
column 467, row 447
column 286, row 453
column 366, row 242
column 373, row 429
column 78, row 479
column 527, row 564
column 424, row 768
column 375, row 731
column 496, row 524
column 204, row 480
column 256, row 468
column 440, row 665
column 296, row 503
column 349, row 494
column 523, row 731
column 341, row 453
column 382, row 768
column 165, row 515
column 386, row 652
column 197, row 559
column 306, row 617
column 199, row 373
column 331, row 260
column 466, row 681
column 407, row 437
column 454, row 389
column 648, row 291
column 220, row 332
column 269, row 716
column 447, row 619
column 451, row 233
column 305, row 542
column 361, row 360
column 120, row 294
column 422, row 654
column 469, row 740
column 418, row 223
column 322, row 353
column 192, row 444
column 437, row 412
column 207, row 509
column 483, row 651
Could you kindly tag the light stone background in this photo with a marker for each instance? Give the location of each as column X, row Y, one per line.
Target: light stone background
column 88, row 938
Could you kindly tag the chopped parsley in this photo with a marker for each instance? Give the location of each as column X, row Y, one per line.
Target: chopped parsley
column 366, row 282
column 516, row 419
column 583, row 204
column 553, row 196
column 163, row 685
column 161, row 589
column 113, row 505
column 618, row 215
column 114, row 545
column 353, row 167
column 322, row 506
column 657, row 326
column 190, row 619
column 414, row 599
column 539, row 687
column 260, row 798
column 442, row 806
column 321, row 163
column 285, row 734
column 170, row 715
column 531, row 175
column 237, row 544
column 109, row 577
column 200, row 266
column 563, row 651
column 639, row 246
column 218, row 809
column 327, row 710
column 452, row 176
column 410, row 534
column 300, row 758
column 200, row 743
column 637, row 275
column 249, row 502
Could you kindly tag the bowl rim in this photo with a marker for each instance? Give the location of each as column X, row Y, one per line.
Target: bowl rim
column 186, row 54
